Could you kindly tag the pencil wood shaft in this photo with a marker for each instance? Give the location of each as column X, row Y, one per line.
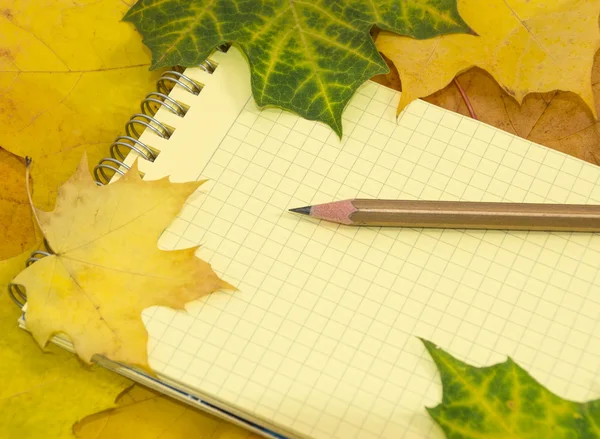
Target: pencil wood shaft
column 476, row 215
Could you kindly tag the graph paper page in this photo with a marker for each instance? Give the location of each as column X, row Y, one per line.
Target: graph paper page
column 321, row 338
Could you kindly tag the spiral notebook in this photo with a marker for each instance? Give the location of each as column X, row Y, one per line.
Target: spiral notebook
column 321, row 340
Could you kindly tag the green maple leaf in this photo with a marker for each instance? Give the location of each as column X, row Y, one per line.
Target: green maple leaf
column 503, row 401
column 306, row 56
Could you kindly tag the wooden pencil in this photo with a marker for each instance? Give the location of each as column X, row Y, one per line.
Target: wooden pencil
column 458, row 215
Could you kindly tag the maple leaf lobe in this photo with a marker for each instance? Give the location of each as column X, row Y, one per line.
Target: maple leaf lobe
column 306, row 56
column 504, row 400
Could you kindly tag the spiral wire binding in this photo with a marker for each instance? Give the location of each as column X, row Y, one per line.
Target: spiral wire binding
column 131, row 140
column 146, row 120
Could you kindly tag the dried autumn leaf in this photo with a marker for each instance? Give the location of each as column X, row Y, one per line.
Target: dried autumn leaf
column 107, row 267
column 558, row 120
column 17, row 228
column 504, row 401
column 526, row 46
column 145, row 414
column 71, row 75
column 43, row 394
column 305, row 56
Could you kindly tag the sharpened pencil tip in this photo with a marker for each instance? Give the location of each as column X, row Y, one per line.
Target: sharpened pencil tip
column 303, row 210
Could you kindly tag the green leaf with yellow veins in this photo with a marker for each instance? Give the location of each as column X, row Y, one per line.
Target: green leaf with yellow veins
column 504, row 402
column 306, row 56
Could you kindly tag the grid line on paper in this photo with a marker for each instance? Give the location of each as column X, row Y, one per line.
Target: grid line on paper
column 558, row 268
column 329, row 358
column 320, row 333
column 337, row 354
column 259, row 402
column 553, row 267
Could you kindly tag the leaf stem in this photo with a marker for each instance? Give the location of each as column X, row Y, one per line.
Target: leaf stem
column 28, row 161
column 465, row 98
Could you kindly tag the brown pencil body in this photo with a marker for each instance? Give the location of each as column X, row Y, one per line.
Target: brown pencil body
column 476, row 215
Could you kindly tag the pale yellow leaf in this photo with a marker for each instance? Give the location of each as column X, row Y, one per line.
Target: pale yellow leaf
column 527, row 46
column 107, row 267
column 71, row 75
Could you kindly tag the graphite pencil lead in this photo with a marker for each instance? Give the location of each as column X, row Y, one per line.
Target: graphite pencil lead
column 303, row 210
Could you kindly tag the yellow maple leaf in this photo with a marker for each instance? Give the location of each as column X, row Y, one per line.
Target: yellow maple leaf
column 527, row 46
column 71, row 75
column 43, row 394
column 17, row 227
column 107, row 267
column 145, row 414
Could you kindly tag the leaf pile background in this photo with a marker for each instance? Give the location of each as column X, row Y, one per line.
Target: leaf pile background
column 308, row 57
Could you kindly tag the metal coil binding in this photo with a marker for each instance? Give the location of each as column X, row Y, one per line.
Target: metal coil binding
column 131, row 140
column 115, row 164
